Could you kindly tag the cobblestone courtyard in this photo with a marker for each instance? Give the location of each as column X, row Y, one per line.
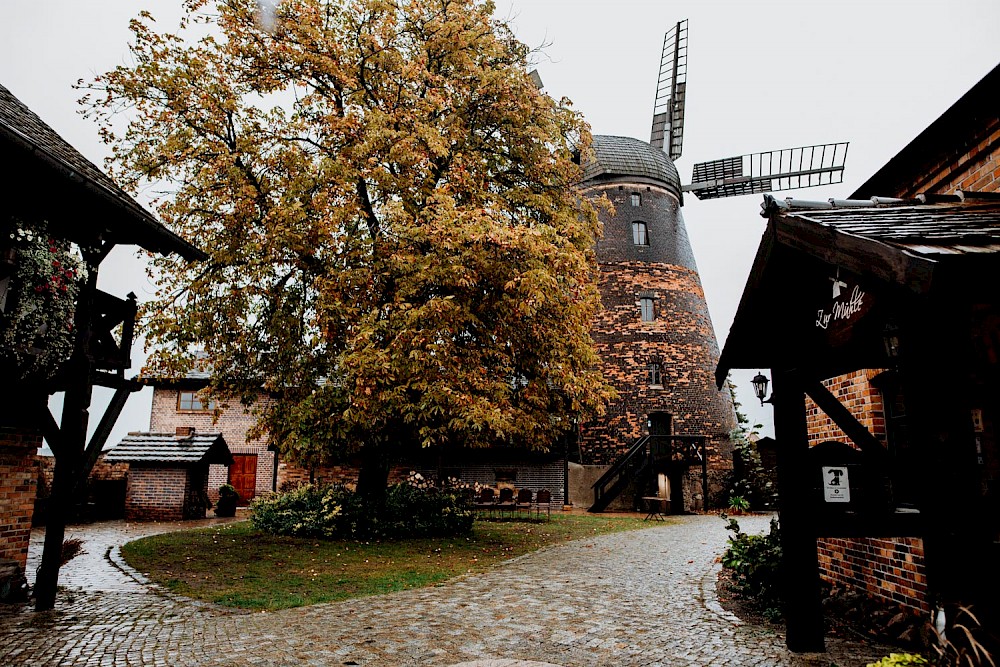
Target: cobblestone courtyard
column 637, row 598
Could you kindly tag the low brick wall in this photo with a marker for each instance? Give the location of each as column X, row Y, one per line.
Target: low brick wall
column 18, row 479
column 888, row 568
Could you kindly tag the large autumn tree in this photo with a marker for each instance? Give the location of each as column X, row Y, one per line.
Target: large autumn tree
column 397, row 248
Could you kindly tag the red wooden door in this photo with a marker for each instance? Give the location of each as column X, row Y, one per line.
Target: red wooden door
column 243, row 476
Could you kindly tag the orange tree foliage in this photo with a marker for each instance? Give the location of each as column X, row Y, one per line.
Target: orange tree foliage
column 397, row 249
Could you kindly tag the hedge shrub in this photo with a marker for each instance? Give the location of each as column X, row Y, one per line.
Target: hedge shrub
column 334, row 512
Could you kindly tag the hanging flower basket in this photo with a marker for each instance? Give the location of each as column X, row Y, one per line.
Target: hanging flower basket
column 40, row 279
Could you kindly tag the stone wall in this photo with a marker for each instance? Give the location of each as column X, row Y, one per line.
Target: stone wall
column 888, row 568
column 18, row 479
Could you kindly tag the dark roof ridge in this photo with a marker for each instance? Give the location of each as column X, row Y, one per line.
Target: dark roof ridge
column 790, row 204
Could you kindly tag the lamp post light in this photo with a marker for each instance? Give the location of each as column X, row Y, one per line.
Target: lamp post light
column 760, row 383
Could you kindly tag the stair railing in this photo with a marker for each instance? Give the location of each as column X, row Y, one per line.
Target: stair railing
column 624, row 470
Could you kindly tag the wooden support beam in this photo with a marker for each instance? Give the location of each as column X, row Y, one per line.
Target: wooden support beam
column 50, row 430
column 803, row 602
column 870, row 445
column 103, row 430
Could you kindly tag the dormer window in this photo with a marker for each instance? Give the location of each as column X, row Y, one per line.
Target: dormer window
column 639, row 235
column 636, row 199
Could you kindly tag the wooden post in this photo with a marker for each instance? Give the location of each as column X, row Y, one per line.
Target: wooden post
column 803, row 609
column 71, row 442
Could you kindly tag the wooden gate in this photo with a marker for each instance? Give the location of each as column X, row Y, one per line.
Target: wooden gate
column 243, row 476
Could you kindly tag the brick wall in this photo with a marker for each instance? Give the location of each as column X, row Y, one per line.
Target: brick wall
column 974, row 165
column 234, row 422
column 291, row 476
column 18, row 478
column 855, row 392
column 888, row 568
column 680, row 338
column 156, row 494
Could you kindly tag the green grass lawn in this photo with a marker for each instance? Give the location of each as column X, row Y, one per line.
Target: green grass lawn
column 238, row 566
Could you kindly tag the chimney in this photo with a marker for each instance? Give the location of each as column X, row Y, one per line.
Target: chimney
column 184, row 431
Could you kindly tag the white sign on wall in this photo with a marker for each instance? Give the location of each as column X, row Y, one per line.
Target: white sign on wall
column 836, row 487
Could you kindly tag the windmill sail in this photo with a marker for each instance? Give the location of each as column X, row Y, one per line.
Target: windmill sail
column 771, row 171
column 668, row 108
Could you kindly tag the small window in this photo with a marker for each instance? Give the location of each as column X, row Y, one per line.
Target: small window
column 636, row 199
column 655, row 375
column 639, row 236
column 190, row 401
column 646, row 309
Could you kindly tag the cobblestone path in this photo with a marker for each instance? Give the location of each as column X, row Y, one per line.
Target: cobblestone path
column 638, row 598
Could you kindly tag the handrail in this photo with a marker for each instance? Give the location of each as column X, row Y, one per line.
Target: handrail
column 645, row 452
column 618, row 475
column 625, row 459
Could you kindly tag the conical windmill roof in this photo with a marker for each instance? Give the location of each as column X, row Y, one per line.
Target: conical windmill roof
column 616, row 157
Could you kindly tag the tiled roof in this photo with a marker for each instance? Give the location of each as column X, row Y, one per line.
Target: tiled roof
column 167, row 448
column 625, row 156
column 944, row 225
column 20, row 126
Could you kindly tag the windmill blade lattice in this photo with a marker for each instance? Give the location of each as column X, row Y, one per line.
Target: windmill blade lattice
column 668, row 108
column 770, row 171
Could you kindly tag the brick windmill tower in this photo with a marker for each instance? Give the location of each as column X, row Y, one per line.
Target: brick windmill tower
column 667, row 434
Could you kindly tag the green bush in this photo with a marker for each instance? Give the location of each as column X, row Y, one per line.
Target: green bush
column 308, row 511
column 899, row 660
column 334, row 512
column 755, row 562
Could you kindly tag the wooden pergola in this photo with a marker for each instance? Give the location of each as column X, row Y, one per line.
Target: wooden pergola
column 47, row 179
column 907, row 287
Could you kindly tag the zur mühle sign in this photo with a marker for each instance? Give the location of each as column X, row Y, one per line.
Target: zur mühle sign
column 836, row 487
column 848, row 304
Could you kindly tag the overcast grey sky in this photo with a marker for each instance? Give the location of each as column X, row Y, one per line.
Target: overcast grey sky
column 761, row 76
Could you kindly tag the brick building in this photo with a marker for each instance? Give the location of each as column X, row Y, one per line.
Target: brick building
column 654, row 334
column 900, row 364
column 180, row 404
column 168, row 472
column 958, row 152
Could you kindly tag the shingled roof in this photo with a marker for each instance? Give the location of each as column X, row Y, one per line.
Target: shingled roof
column 171, row 450
column 615, row 157
column 41, row 160
column 940, row 246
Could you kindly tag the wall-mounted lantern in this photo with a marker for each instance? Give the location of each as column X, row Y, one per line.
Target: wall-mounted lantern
column 759, row 383
column 890, row 339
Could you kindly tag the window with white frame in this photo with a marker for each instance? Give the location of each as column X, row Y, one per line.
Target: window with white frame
column 639, row 235
column 636, row 199
column 646, row 309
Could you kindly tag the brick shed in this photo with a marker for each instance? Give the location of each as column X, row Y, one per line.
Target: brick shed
column 168, row 473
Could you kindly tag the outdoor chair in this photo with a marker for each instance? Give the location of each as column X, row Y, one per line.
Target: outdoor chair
column 487, row 500
column 543, row 497
column 523, row 500
column 506, row 500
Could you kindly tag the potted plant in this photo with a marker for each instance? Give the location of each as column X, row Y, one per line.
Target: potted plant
column 228, row 497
